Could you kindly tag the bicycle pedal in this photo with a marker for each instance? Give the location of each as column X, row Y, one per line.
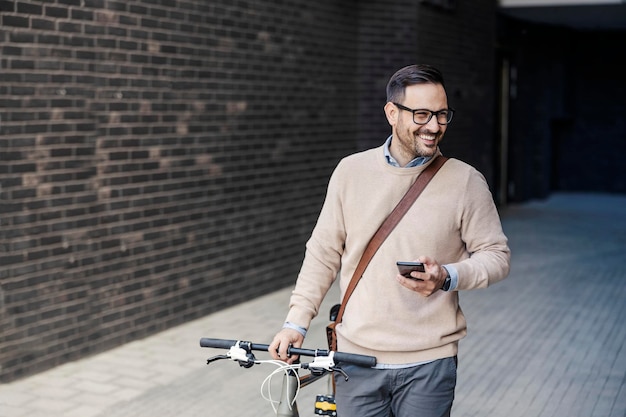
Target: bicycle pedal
column 325, row 405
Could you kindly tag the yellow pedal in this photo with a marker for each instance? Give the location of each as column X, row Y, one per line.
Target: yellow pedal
column 325, row 405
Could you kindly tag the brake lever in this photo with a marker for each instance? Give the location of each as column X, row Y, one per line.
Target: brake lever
column 215, row 358
column 342, row 372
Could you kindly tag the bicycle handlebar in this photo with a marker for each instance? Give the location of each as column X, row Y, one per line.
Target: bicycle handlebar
column 353, row 358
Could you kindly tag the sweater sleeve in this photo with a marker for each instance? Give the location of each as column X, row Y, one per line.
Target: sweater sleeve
column 485, row 241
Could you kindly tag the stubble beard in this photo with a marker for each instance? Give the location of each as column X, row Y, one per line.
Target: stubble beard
column 413, row 145
column 421, row 149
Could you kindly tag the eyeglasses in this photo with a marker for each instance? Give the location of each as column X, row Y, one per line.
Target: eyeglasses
column 423, row 116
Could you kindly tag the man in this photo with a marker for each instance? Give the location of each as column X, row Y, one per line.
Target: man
column 411, row 325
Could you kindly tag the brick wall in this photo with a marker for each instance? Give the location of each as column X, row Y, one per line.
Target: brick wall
column 162, row 160
column 460, row 39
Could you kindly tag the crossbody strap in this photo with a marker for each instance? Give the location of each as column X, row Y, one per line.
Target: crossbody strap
column 388, row 225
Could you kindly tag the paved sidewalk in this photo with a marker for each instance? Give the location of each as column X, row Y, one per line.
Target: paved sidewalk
column 549, row 341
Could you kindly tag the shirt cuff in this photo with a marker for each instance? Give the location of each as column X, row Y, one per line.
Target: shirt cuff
column 300, row 329
column 454, row 277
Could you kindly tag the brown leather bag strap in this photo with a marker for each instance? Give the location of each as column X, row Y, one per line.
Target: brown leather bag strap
column 388, row 225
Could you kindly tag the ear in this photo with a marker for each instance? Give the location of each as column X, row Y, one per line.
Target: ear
column 391, row 111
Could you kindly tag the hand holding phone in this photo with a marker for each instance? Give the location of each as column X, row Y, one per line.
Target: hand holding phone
column 405, row 268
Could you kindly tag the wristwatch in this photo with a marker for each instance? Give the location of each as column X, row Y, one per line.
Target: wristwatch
column 446, row 283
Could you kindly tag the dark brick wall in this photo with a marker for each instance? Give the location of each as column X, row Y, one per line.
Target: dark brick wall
column 161, row 160
column 387, row 42
column 460, row 39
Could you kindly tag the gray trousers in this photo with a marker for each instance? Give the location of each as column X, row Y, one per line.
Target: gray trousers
column 419, row 391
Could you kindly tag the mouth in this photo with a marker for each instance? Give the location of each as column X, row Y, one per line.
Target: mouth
column 428, row 139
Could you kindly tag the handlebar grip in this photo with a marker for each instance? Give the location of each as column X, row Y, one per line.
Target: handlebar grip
column 356, row 359
column 217, row 343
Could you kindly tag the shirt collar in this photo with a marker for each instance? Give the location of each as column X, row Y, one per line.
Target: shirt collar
column 420, row 160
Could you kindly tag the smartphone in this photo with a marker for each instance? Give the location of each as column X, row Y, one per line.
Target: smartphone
column 405, row 268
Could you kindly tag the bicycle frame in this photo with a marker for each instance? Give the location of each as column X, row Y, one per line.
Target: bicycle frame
column 324, row 364
column 287, row 406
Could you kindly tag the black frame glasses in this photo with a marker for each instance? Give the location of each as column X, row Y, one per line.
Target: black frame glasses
column 421, row 113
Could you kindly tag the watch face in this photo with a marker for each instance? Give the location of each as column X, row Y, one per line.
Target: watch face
column 446, row 284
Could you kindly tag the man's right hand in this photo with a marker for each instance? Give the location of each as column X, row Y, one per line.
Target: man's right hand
column 282, row 341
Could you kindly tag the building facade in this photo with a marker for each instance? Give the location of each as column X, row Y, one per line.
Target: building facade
column 162, row 160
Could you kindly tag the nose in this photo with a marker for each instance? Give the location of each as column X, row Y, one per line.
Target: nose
column 432, row 124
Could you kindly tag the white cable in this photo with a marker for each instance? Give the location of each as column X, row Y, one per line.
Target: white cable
column 237, row 353
column 267, row 383
column 282, row 369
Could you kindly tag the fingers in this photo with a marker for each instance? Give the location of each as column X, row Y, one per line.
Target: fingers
column 425, row 283
column 420, row 286
column 273, row 348
column 283, row 341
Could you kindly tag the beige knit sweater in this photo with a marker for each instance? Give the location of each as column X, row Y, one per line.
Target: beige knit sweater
column 455, row 221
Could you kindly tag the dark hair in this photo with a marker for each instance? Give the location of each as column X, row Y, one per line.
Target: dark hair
column 411, row 75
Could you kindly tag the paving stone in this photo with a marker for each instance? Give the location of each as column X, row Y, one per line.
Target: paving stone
column 549, row 341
